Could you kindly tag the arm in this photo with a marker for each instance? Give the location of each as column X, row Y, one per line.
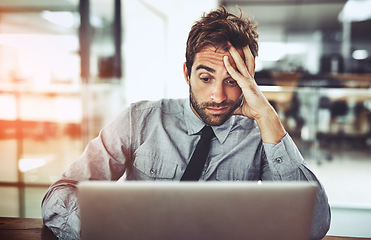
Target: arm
column 60, row 211
column 103, row 159
column 282, row 160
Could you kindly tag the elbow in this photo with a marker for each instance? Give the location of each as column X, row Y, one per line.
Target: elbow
column 321, row 224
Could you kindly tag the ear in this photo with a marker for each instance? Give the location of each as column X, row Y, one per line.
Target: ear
column 185, row 72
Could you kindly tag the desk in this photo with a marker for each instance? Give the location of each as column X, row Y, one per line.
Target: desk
column 33, row 229
column 343, row 238
column 24, row 228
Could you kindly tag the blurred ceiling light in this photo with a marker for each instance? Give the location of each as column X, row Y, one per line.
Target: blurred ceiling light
column 355, row 11
column 360, row 54
column 274, row 51
column 69, row 19
column 27, row 164
column 63, row 19
column 96, row 21
column 271, row 51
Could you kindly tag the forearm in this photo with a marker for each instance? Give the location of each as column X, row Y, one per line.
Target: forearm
column 270, row 126
column 60, row 211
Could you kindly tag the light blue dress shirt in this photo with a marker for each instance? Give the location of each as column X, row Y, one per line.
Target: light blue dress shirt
column 155, row 141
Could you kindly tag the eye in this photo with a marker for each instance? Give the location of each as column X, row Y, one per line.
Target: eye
column 231, row 82
column 205, row 79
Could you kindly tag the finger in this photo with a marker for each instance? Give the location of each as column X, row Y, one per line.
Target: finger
column 231, row 70
column 240, row 63
column 250, row 60
column 234, row 73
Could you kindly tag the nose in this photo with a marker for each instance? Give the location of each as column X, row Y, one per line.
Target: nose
column 218, row 94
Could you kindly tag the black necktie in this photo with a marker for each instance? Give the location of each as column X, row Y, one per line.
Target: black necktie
column 198, row 159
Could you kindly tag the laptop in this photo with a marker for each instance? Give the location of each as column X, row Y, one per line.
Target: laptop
column 196, row 210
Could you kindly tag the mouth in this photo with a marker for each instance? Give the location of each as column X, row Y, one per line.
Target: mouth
column 217, row 111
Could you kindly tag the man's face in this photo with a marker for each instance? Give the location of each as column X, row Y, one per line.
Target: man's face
column 214, row 94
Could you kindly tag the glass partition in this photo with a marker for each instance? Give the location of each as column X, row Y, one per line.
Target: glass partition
column 332, row 128
column 48, row 109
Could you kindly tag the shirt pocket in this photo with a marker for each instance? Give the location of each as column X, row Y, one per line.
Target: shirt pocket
column 231, row 174
column 149, row 167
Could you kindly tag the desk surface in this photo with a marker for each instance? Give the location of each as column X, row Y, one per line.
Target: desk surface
column 24, row 228
column 33, row 229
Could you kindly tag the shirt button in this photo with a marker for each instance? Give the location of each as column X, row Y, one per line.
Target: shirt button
column 279, row 160
column 152, row 171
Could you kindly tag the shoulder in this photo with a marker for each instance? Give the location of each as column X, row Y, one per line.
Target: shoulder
column 166, row 106
column 148, row 113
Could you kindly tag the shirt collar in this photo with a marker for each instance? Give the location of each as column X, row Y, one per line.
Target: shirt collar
column 194, row 124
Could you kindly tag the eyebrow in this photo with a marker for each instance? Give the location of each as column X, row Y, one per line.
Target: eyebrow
column 206, row 68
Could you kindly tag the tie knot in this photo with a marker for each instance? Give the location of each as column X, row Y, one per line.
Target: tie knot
column 207, row 132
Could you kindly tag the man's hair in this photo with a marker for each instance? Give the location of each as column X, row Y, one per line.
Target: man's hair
column 216, row 29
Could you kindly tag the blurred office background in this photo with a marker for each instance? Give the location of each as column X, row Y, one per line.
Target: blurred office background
column 68, row 67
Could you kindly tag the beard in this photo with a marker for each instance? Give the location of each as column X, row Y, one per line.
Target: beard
column 213, row 119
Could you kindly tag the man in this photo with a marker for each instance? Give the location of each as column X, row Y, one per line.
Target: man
column 155, row 140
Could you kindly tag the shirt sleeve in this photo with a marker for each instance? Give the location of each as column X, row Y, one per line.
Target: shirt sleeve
column 60, row 211
column 105, row 158
column 284, row 162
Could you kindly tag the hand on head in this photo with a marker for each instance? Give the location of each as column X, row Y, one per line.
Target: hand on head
column 254, row 104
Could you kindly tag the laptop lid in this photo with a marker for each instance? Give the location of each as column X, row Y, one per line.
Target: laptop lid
column 196, row 210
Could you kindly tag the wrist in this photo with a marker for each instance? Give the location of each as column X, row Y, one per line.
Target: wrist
column 271, row 128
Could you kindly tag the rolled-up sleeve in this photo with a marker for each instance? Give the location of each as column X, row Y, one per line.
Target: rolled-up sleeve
column 284, row 162
column 60, row 211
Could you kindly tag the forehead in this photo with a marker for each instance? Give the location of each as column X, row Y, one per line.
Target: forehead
column 211, row 55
